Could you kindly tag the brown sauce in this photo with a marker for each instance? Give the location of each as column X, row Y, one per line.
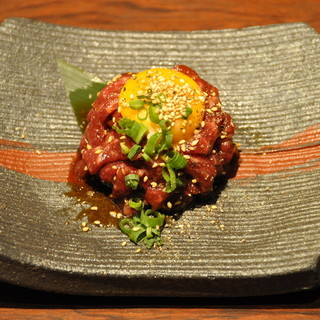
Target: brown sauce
column 97, row 206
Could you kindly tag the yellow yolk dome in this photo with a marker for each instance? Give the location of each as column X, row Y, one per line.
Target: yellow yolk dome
column 167, row 95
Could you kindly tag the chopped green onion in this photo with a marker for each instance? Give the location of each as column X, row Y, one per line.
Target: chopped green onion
column 176, row 160
column 136, row 203
column 142, row 113
column 134, row 231
column 170, row 178
column 152, row 218
column 134, row 151
column 135, row 130
column 188, row 111
column 145, row 227
column 153, row 115
column 151, row 147
column 145, row 157
column 124, row 148
column 163, row 125
column 143, row 97
column 136, row 104
column 165, row 143
column 132, row 181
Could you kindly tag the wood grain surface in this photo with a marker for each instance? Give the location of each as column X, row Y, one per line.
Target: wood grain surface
column 164, row 14
column 155, row 15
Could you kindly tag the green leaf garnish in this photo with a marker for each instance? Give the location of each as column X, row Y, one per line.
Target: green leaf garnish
column 82, row 88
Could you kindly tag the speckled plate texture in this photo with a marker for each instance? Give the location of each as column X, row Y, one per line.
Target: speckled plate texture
column 261, row 235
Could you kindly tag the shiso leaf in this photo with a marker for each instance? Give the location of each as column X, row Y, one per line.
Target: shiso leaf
column 82, row 88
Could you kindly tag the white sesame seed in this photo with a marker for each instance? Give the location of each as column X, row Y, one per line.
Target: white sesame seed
column 113, row 214
column 194, row 142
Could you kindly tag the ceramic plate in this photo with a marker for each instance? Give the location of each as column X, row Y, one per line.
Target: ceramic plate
column 259, row 236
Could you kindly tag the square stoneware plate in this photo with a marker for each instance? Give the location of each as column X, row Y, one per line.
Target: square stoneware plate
column 261, row 236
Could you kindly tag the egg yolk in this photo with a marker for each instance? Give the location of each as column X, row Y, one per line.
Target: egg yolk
column 173, row 97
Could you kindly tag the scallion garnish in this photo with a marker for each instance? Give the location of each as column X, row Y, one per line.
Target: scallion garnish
column 152, row 218
column 136, row 104
column 134, row 151
column 176, row 160
column 132, row 181
column 165, row 143
column 169, row 176
column 151, row 147
column 145, row 156
column 188, row 111
column 135, row 232
column 153, row 115
column 124, row 148
column 145, row 227
column 143, row 113
column 135, row 130
column 136, row 204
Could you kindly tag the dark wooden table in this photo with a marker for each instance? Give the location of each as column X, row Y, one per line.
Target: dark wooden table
column 153, row 15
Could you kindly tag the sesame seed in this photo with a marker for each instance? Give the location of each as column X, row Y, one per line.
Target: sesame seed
column 89, row 146
column 137, row 228
column 169, row 204
column 83, row 224
column 96, row 222
column 113, row 214
column 98, row 151
column 182, row 141
column 154, row 184
column 194, row 142
column 124, row 243
column 194, row 180
column 94, row 208
column 186, row 156
column 85, row 229
column 114, row 167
